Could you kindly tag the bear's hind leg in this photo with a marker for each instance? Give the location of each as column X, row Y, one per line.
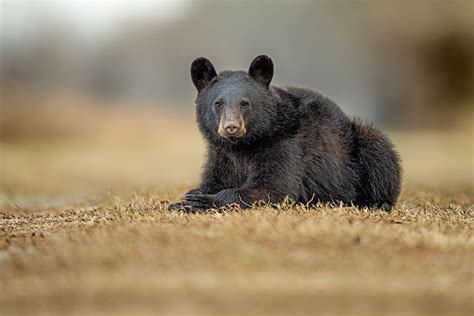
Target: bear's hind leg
column 380, row 168
column 384, row 206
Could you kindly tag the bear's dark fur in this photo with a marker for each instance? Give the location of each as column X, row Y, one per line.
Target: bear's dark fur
column 267, row 143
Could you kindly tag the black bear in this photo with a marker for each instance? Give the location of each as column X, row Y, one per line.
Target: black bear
column 267, row 143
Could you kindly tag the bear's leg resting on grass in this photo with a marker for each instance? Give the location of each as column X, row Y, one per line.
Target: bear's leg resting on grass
column 242, row 197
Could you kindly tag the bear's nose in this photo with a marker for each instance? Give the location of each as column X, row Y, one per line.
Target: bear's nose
column 231, row 128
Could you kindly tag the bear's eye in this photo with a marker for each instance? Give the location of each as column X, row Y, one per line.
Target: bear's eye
column 244, row 103
column 218, row 104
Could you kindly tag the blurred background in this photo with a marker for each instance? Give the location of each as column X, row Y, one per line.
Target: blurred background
column 96, row 95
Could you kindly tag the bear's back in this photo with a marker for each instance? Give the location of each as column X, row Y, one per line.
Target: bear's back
column 310, row 101
column 319, row 117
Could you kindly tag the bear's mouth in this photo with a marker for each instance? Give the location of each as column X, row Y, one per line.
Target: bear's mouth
column 233, row 137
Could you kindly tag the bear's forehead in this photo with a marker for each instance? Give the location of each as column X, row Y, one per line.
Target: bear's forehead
column 233, row 80
column 231, row 86
column 232, row 89
column 229, row 76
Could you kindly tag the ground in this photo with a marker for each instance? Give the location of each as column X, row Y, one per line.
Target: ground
column 84, row 230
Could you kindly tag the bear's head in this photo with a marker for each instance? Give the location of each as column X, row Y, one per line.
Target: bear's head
column 234, row 107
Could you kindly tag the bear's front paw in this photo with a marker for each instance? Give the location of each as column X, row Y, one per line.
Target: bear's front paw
column 185, row 207
column 179, row 206
column 200, row 201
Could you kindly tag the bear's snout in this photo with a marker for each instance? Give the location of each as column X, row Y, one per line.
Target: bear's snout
column 232, row 126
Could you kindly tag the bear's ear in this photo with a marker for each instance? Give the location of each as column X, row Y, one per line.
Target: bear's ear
column 202, row 72
column 261, row 69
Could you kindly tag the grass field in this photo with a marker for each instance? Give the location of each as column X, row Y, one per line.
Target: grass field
column 84, row 230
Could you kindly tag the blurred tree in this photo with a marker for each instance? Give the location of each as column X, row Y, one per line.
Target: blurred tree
column 387, row 62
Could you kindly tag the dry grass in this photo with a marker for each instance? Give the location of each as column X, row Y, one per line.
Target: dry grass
column 132, row 256
column 84, row 230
